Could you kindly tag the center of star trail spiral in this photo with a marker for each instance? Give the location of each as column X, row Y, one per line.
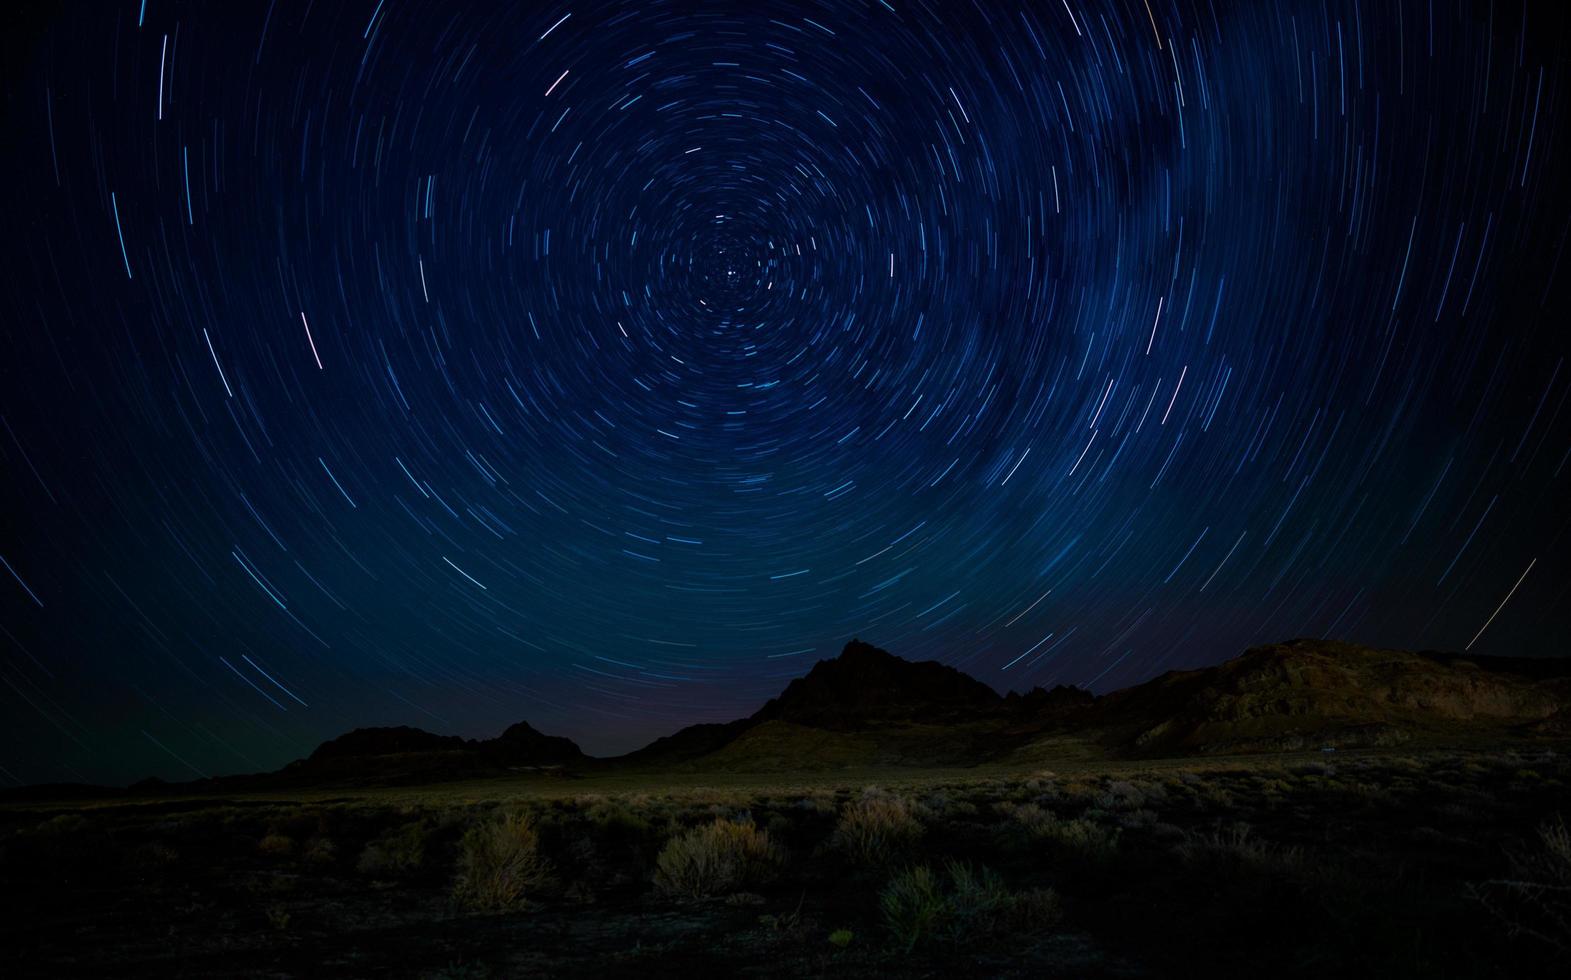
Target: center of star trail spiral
column 606, row 364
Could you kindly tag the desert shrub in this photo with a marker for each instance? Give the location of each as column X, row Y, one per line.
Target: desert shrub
column 459, row 970
column 779, row 826
column 1079, row 791
column 1137, row 819
column 1369, row 794
column 1236, row 850
column 977, row 900
column 276, row 845
column 1536, row 900
column 294, row 822
column 1217, row 797
column 500, row 864
column 912, row 904
column 63, row 825
column 821, row 803
column 277, row 917
column 964, row 905
column 877, row 830
column 321, row 851
column 1167, row 831
column 1035, row 908
column 397, row 852
column 716, row 859
column 1461, row 813
column 1032, row 818
column 1121, row 795
column 1044, row 782
column 1084, row 838
column 617, row 820
column 153, row 857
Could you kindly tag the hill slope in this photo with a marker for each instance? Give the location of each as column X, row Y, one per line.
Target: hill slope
column 1305, row 693
column 870, row 708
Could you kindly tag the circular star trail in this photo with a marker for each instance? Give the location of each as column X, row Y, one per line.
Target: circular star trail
column 605, row 365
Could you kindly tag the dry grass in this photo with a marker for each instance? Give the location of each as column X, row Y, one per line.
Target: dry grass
column 1536, row 900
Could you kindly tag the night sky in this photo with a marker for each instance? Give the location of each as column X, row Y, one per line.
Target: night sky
column 605, row 365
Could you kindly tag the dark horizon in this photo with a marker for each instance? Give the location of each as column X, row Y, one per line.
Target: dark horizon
column 602, row 365
column 1499, row 663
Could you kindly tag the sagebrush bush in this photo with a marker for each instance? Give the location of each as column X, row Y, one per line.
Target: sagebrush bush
column 1082, row 836
column 912, row 904
column 977, row 902
column 1235, row 849
column 1121, row 795
column 276, row 845
column 398, row 852
column 500, row 864
column 1032, row 818
column 716, row 859
column 964, row 905
column 617, row 820
column 321, row 851
column 1086, row 838
column 878, row 830
column 1137, row 819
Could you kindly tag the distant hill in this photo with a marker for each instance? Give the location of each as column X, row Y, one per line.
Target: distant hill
column 363, row 742
column 1308, row 693
column 867, row 707
column 404, row 756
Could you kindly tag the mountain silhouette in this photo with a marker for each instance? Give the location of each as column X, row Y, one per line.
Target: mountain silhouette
column 521, row 745
column 870, row 708
column 866, row 685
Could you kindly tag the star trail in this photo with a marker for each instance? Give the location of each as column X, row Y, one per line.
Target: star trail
column 606, row 364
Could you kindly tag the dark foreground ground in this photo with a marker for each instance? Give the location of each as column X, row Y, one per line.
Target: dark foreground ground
column 1440, row 864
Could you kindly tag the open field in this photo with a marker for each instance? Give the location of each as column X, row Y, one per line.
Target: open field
column 1420, row 863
